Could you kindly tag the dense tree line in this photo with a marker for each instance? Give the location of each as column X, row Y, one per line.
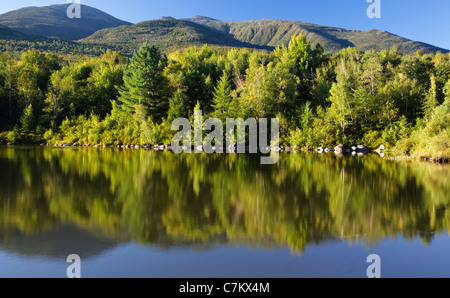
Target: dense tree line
column 352, row 97
column 53, row 45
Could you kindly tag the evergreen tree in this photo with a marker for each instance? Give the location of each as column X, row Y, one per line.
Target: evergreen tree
column 145, row 83
column 222, row 98
column 319, row 57
column 177, row 107
column 27, row 120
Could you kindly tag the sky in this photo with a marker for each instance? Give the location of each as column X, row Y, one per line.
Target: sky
column 426, row 21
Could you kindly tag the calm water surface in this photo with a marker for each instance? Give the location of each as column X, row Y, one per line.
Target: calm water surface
column 138, row 213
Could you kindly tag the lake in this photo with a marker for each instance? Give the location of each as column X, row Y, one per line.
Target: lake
column 141, row 213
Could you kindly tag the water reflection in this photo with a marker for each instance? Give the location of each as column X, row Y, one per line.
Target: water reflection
column 167, row 200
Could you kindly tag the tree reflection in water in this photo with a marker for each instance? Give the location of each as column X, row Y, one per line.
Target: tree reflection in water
column 168, row 200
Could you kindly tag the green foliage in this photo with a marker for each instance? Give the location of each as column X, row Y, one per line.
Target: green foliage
column 432, row 135
column 300, row 51
column 27, row 120
column 222, row 99
column 195, row 72
column 4, row 138
column 177, row 106
column 352, row 98
column 430, row 101
column 314, row 129
column 447, row 93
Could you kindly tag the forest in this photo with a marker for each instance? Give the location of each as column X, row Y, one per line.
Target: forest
column 352, row 97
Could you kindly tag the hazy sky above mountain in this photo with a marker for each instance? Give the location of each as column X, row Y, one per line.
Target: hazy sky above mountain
column 425, row 21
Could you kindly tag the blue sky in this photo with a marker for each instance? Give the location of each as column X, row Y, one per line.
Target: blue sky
column 426, row 21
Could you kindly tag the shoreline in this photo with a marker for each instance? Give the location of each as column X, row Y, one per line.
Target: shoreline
column 417, row 157
column 386, row 154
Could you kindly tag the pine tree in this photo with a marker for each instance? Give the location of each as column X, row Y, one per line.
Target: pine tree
column 27, row 120
column 222, row 98
column 145, row 83
column 177, row 107
column 319, row 57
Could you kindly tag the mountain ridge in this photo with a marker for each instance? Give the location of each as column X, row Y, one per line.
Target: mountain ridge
column 273, row 32
column 101, row 30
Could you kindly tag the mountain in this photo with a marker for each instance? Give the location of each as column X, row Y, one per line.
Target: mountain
column 52, row 21
column 96, row 30
column 275, row 33
column 168, row 33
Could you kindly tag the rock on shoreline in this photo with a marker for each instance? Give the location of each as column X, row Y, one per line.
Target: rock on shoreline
column 341, row 149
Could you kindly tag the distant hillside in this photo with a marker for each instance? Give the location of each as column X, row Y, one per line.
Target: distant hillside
column 167, row 33
column 277, row 32
column 10, row 34
column 170, row 34
column 52, row 21
column 51, row 44
column 18, row 42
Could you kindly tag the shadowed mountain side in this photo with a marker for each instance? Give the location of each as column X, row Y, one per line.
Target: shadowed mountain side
column 10, row 34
